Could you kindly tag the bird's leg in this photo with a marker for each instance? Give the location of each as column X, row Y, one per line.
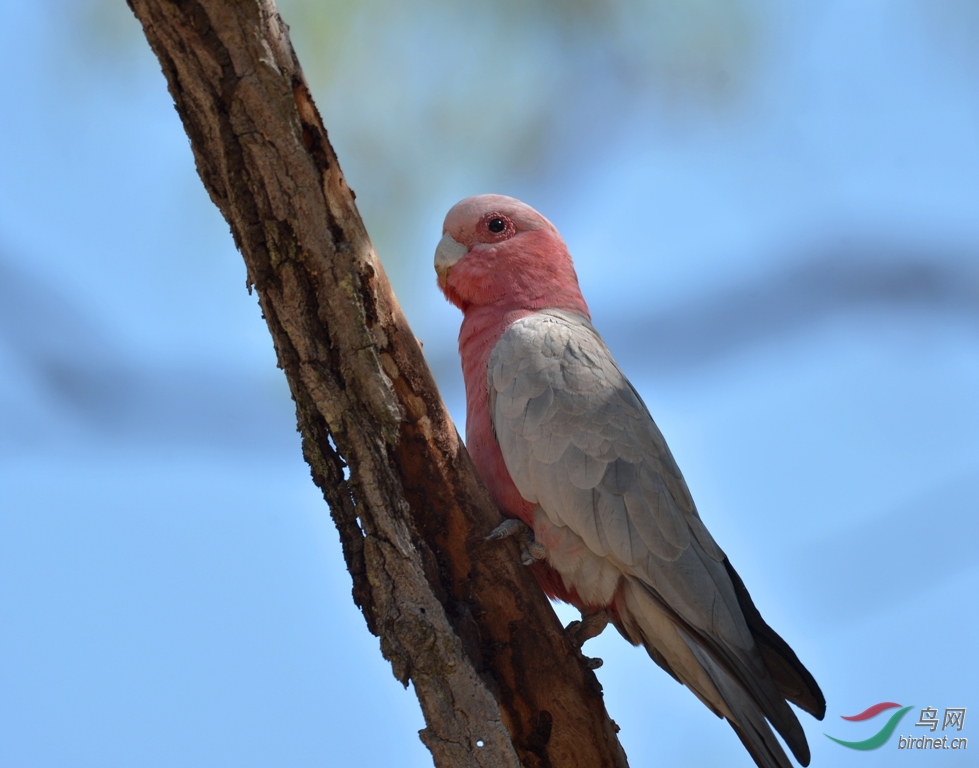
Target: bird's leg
column 591, row 625
column 530, row 550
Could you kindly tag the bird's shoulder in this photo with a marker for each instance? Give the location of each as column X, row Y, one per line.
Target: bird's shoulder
column 548, row 348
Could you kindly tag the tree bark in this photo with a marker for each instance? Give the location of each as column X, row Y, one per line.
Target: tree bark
column 497, row 680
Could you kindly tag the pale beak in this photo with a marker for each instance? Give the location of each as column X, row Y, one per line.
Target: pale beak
column 447, row 253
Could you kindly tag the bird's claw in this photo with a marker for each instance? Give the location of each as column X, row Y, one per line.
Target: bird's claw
column 591, row 625
column 506, row 529
column 530, row 550
column 536, row 550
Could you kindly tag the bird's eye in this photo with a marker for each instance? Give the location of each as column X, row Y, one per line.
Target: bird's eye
column 496, row 225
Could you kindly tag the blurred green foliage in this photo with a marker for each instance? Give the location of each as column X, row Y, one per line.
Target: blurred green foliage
column 439, row 98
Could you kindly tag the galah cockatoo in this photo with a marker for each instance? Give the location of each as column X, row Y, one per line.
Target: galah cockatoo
column 565, row 445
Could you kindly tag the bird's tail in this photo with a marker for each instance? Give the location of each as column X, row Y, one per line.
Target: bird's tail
column 642, row 618
column 794, row 681
column 745, row 716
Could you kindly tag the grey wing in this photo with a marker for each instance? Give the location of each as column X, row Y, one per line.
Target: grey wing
column 578, row 441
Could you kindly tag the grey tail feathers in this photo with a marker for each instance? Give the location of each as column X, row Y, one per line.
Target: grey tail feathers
column 749, row 722
column 793, row 680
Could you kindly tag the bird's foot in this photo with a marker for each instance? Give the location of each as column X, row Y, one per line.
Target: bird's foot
column 530, row 550
column 591, row 625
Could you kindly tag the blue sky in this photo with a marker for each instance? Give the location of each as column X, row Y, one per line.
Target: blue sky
column 790, row 279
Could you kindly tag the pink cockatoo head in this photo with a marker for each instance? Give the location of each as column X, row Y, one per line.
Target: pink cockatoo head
column 497, row 251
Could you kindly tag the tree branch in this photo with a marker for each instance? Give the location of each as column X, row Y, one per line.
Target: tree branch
column 498, row 683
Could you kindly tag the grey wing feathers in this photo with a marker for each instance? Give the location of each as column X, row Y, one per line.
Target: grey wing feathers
column 578, row 441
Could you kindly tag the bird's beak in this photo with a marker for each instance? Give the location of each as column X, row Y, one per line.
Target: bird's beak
column 447, row 253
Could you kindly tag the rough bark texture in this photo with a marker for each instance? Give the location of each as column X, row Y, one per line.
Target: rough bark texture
column 498, row 682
